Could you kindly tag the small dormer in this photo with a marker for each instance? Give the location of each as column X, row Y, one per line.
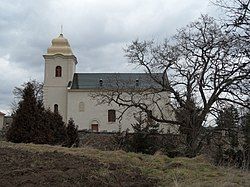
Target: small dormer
column 100, row 82
column 137, row 82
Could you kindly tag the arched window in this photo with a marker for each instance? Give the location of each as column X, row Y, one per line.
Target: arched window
column 111, row 116
column 55, row 108
column 81, row 107
column 58, row 71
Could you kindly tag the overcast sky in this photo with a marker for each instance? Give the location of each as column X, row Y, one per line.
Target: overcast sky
column 97, row 31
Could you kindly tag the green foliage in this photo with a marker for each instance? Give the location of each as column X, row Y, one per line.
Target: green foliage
column 143, row 139
column 246, row 132
column 246, row 127
column 228, row 117
column 55, row 125
column 230, row 148
column 228, row 120
column 25, row 118
column 31, row 122
column 191, row 126
column 72, row 134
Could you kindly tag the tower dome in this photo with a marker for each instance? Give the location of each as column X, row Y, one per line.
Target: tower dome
column 60, row 45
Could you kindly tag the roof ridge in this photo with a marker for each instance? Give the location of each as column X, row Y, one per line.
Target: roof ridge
column 115, row 73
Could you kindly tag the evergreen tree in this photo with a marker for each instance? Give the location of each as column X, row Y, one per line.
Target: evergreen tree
column 229, row 120
column 190, row 127
column 246, row 131
column 31, row 122
column 72, row 134
column 228, row 117
column 246, row 127
column 54, row 124
column 142, row 140
column 25, row 118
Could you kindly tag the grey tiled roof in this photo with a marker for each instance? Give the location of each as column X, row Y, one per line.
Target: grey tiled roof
column 114, row 80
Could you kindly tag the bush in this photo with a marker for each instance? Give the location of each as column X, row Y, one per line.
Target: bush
column 72, row 134
column 143, row 140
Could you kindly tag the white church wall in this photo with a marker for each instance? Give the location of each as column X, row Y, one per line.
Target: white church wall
column 90, row 113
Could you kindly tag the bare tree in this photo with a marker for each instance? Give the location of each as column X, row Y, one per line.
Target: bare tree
column 237, row 20
column 200, row 67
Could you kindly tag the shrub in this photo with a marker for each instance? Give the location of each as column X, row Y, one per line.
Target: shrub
column 144, row 140
column 72, row 134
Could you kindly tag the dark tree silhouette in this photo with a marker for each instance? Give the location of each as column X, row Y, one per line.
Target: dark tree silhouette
column 72, row 134
column 31, row 122
column 246, row 131
column 228, row 120
column 25, row 118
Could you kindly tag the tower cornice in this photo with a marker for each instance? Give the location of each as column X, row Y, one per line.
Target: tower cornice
column 49, row 56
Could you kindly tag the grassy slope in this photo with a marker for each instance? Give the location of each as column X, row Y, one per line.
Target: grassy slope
column 168, row 171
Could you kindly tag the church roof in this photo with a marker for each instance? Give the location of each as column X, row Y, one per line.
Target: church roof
column 114, row 80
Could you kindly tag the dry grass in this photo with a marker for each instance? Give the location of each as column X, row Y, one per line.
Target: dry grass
column 169, row 172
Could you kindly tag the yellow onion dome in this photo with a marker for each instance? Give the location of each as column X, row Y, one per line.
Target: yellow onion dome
column 60, row 45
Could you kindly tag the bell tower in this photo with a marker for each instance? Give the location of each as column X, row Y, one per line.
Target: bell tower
column 59, row 69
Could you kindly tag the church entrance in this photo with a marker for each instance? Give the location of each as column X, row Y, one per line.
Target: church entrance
column 94, row 127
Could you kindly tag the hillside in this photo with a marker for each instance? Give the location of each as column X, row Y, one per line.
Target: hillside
column 40, row 165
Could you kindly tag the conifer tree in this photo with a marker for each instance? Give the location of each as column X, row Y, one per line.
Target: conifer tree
column 31, row 122
column 228, row 119
column 25, row 118
column 142, row 140
column 72, row 134
column 55, row 126
column 246, row 131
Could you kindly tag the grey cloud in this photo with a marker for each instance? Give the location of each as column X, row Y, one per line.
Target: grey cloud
column 97, row 31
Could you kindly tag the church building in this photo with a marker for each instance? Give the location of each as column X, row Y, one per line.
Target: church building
column 70, row 93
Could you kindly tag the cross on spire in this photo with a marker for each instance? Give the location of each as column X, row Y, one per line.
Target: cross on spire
column 61, row 29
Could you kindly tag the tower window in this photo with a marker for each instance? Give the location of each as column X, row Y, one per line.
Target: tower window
column 58, row 71
column 55, row 108
column 111, row 116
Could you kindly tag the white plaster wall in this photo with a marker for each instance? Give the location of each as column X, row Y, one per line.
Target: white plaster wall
column 1, row 121
column 93, row 112
column 55, row 88
column 56, row 95
column 68, row 69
